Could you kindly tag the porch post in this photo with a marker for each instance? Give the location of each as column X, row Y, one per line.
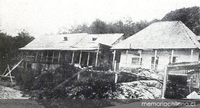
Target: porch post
column 88, row 59
column 140, row 60
column 72, row 58
column 192, row 53
column 114, row 58
column 52, row 57
column 96, row 62
column 59, row 57
column 41, row 56
column 172, row 55
column 126, row 56
column 65, row 56
column 155, row 57
column 36, row 56
column 47, row 56
column 80, row 56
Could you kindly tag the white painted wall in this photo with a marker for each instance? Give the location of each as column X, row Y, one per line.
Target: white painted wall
column 183, row 55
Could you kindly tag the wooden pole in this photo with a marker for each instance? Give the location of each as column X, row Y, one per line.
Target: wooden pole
column 116, row 77
column 80, row 56
column 140, row 60
column 192, row 53
column 47, row 56
column 72, row 62
column 66, row 81
column 58, row 56
column 97, row 54
column 155, row 58
column 115, row 65
column 14, row 67
column 41, row 56
column 164, row 83
column 88, row 59
column 36, row 56
column 172, row 55
column 114, row 54
column 52, row 57
column 78, row 76
column 126, row 56
column 65, row 55
column 10, row 75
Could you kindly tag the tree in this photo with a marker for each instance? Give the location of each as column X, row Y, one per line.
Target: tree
column 98, row 27
column 9, row 47
column 22, row 39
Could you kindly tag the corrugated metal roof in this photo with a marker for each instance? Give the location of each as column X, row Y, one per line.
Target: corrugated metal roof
column 81, row 41
column 54, row 42
column 105, row 39
column 161, row 35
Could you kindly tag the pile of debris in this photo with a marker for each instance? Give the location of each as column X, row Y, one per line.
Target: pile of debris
column 143, row 89
column 9, row 93
column 147, row 86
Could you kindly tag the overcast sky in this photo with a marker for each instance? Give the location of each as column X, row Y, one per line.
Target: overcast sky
column 40, row 17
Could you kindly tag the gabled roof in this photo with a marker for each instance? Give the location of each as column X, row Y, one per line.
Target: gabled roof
column 161, row 35
column 81, row 41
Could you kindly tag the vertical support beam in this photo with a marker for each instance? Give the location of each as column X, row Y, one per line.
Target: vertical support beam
column 126, row 56
column 116, row 78
column 78, row 76
column 47, row 56
column 36, row 56
column 72, row 62
column 41, row 56
column 59, row 57
column 97, row 54
column 80, row 57
column 114, row 54
column 140, row 60
column 164, row 83
column 172, row 55
column 115, row 65
column 155, row 58
column 88, row 59
column 192, row 53
column 65, row 56
column 52, row 57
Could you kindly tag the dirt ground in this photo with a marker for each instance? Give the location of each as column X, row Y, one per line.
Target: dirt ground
column 11, row 98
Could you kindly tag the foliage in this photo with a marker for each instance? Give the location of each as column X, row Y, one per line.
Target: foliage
column 26, row 78
column 189, row 16
column 9, row 47
column 100, row 27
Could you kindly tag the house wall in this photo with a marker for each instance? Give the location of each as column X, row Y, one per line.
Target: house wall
column 182, row 55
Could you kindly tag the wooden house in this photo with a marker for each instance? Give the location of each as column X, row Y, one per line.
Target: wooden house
column 156, row 46
column 47, row 52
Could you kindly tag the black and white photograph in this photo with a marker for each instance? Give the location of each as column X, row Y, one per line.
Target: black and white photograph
column 99, row 53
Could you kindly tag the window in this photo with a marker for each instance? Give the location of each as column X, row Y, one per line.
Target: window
column 65, row 39
column 174, row 59
column 93, row 39
column 136, row 61
column 154, row 66
column 152, row 60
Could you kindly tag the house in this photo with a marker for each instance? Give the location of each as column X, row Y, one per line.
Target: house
column 157, row 45
column 47, row 52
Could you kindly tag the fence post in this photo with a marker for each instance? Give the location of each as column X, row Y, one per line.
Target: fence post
column 164, row 83
column 116, row 77
column 78, row 76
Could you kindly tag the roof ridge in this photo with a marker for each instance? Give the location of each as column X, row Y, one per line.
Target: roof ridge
column 188, row 36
